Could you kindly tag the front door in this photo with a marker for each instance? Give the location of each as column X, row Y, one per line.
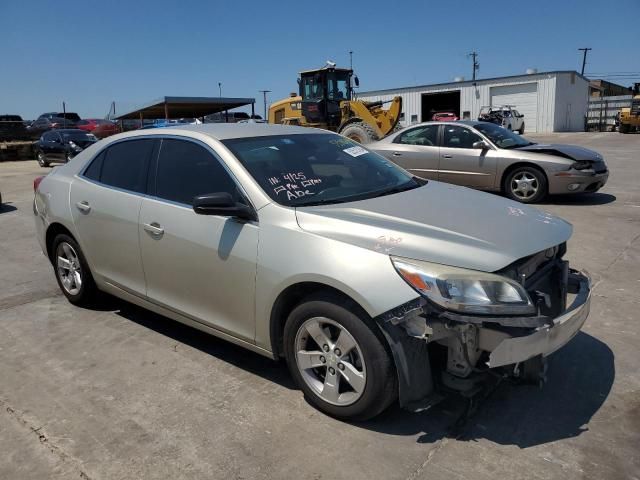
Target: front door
column 462, row 164
column 416, row 150
column 200, row 266
column 105, row 203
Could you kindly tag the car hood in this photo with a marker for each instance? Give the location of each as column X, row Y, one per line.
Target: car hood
column 440, row 223
column 572, row 152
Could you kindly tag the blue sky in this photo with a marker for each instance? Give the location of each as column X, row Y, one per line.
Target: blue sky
column 90, row 53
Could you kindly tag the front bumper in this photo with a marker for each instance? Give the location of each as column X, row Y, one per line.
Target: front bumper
column 549, row 338
column 577, row 182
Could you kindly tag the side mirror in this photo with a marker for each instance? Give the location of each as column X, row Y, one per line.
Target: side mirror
column 221, row 204
column 356, row 81
column 480, row 145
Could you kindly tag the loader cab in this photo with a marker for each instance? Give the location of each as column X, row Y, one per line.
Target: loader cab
column 322, row 91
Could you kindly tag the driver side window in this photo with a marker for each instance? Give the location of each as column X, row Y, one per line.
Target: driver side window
column 426, row 135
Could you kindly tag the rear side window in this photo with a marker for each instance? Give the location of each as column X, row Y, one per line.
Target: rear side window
column 125, row 165
column 93, row 171
column 426, row 136
column 186, row 170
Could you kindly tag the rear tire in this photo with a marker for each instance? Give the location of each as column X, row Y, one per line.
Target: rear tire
column 623, row 128
column 361, row 132
column 521, row 131
column 525, row 185
column 355, row 383
column 72, row 272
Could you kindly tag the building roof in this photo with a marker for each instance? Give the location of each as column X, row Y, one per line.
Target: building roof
column 467, row 83
column 185, row 107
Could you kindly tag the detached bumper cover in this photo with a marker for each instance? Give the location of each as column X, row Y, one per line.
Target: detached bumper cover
column 546, row 340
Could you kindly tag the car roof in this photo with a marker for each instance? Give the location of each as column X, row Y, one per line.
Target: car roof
column 224, row 131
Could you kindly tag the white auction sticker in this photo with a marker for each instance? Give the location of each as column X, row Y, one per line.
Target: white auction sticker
column 355, row 151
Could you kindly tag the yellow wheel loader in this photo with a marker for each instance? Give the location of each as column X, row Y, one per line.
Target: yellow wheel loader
column 629, row 117
column 326, row 100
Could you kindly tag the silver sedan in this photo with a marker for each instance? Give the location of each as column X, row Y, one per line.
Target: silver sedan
column 299, row 243
column 486, row 156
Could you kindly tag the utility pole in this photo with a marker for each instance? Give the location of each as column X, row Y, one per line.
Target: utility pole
column 476, row 65
column 264, row 96
column 584, row 58
column 220, row 88
column 350, row 59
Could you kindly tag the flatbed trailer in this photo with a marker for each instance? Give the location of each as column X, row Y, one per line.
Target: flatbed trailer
column 16, row 150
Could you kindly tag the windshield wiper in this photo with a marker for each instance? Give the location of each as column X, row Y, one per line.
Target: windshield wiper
column 400, row 188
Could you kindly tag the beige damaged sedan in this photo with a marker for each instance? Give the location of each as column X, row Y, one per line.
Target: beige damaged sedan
column 486, row 156
column 375, row 285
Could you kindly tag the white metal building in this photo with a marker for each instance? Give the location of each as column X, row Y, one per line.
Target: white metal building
column 550, row 101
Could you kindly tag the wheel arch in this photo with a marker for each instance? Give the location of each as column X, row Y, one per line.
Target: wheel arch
column 53, row 231
column 292, row 296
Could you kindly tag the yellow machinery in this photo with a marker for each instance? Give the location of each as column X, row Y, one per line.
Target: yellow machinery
column 630, row 116
column 326, row 100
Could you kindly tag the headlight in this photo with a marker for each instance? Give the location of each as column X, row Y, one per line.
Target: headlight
column 73, row 145
column 466, row 291
column 581, row 165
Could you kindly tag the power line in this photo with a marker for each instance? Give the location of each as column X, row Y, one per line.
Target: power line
column 584, row 57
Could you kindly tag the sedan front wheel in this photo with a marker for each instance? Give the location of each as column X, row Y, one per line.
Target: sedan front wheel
column 339, row 358
column 526, row 185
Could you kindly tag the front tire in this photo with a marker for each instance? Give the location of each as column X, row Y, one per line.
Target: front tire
column 361, row 132
column 526, row 185
column 42, row 159
column 72, row 272
column 521, row 131
column 339, row 358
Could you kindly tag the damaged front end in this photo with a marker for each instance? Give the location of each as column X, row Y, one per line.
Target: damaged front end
column 439, row 341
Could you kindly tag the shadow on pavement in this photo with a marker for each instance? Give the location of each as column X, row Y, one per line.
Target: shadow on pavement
column 580, row 199
column 6, row 208
column 226, row 351
column 580, row 378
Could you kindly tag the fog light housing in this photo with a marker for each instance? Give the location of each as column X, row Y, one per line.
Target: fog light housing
column 573, row 187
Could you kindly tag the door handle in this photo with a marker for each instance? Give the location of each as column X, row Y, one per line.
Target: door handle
column 83, row 206
column 396, row 154
column 446, row 156
column 154, row 228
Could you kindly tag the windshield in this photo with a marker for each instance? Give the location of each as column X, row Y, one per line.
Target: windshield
column 314, row 169
column 502, row 137
column 338, row 86
column 312, row 87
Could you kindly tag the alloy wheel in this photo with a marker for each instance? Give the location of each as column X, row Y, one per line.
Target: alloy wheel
column 330, row 361
column 68, row 268
column 524, row 185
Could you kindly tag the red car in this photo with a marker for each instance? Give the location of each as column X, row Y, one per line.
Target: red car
column 444, row 117
column 99, row 127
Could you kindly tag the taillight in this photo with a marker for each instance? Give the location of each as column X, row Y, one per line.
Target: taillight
column 36, row 182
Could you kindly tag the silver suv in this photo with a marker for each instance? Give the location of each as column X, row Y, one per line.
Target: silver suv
column 375, row 285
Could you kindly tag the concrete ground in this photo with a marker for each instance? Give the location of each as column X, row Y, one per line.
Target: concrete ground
column 118, row 392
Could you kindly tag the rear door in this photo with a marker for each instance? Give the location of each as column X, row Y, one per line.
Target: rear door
column 201, row 266
column 462, row 164
column 105, row 203
column 416, row 150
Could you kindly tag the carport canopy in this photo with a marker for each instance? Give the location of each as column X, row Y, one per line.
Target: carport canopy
column 186, row 107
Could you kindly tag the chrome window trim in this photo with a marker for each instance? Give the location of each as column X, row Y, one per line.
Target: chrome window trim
column 207, row 147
